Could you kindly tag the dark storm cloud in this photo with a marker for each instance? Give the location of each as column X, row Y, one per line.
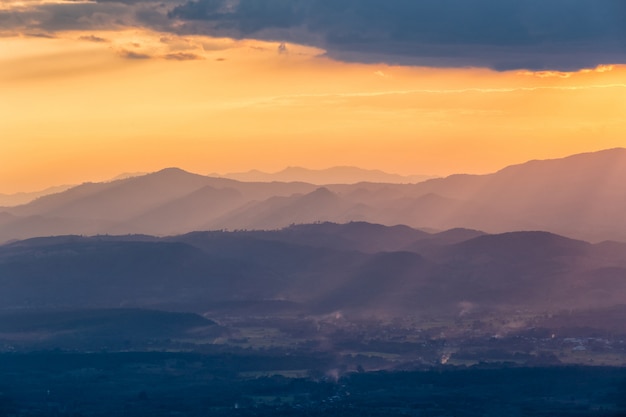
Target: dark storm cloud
column 95, row 15
column 49, row 18
column 501, row 34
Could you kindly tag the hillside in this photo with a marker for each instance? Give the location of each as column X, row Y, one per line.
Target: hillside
column 357, row 267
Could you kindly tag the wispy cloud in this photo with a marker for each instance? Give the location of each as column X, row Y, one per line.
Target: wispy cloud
column 133, row 55
column 92, row 38
column 290, row 100
column 182, row 56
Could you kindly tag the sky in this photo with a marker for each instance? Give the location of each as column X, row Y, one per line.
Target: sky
column 90, row 89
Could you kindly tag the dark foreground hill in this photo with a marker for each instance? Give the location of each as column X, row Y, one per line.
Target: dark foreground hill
column 163, row 384
column 98, row 329
column 311, row 320
column 359, row 268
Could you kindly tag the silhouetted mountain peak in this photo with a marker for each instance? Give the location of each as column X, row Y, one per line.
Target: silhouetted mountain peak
column 579, row 163
column 322, row 192
column 171, row 172
column 521, row 245
column 319, row 197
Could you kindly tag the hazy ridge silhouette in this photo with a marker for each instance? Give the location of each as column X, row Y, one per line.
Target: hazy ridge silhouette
column 333, row 175
column 581, row 196
column 15, row 199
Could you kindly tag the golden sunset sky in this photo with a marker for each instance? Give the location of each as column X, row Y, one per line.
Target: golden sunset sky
column 90, row 99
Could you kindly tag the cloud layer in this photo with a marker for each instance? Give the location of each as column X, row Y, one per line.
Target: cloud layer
column 500, row 34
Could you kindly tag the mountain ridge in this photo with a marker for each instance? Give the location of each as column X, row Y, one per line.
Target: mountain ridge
column 581, row 196
column 319, row 268
column 332, row 175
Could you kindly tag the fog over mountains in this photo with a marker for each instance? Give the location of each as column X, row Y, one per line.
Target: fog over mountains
column 582, row 196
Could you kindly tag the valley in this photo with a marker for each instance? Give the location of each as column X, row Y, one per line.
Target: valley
column 177, row 294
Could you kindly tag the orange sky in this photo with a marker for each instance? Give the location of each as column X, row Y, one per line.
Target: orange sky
column 86, row 106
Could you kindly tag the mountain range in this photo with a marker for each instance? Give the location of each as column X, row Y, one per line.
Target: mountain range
column 357, row 268
column 581, row 196
column 333, row 175
column 17, row 199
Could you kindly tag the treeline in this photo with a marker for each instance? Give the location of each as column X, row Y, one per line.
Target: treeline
column 191, row 384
